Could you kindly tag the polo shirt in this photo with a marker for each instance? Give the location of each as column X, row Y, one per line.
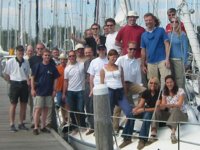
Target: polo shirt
column 153, row 42
column 15, row 71
column 131, row 68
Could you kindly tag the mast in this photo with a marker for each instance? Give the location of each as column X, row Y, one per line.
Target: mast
column 96, row 18
column 186, row 19
column 37, row 22
column 1, row 20
column 41, row 21
column 29, row 22
column 8, row 27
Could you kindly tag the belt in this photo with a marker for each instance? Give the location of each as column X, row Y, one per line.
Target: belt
column 18, row 82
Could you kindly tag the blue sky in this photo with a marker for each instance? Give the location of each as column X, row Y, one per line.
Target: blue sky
column 73, row 10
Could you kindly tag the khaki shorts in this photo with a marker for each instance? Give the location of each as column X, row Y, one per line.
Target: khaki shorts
column 43, row 101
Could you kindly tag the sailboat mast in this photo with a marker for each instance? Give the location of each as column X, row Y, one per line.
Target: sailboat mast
column 29, row 22
column 8, row 27
column 37, row 22
column 1, row 21
column 96, row 18
column 41, row 21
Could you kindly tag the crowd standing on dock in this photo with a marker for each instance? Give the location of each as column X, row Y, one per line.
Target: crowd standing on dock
column 135, row 63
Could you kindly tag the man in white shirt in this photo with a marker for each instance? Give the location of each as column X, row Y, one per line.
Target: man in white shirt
column 74, row 81
column 17, row 72
column 132, row 77
column 95, row 67
column 110, row 38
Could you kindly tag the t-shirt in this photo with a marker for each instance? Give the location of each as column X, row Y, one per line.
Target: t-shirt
column 17, row 71
column 44, row 78
column 169, row 28
column 153, row 42
column 95, row 67
column 150, row 100
column 90, row 41
column 75, row 75
column 130, row 33
column 110, row 42
column 60, row 80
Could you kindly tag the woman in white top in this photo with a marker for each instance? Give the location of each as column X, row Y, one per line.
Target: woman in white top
column 172, row 107
column 113, row 77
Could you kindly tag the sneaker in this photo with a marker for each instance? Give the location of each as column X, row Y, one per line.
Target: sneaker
column 125, row 143
column 141, row 144
column 35, row 131
column 22, row 127
column 173, row 139
column 12, row 128
column 90, row 132
column 45, row 130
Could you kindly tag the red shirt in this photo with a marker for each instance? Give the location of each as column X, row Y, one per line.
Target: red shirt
column 169, row 28
column 130, row 33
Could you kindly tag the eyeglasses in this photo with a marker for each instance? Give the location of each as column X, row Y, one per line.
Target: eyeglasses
column 132, row 49
column 174, row 21
column 94, row 28
column 110, row 25
column 72, row 56
column 40, row 48
column 153, row 83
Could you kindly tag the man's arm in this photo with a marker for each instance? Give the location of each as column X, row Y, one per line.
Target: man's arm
column 65, row 87
column 91, row 85
column 167, row 52
column 33, row 92
column 82, row 41
column 54, row 87
column 143, row 60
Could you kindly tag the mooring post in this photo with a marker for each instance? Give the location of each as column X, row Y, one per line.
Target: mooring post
column 102, row 120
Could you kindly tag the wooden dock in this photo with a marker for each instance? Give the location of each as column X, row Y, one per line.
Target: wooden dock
column 24, row 140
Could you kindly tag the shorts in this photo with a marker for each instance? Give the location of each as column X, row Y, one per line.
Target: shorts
column 18, row 90
column 43, row 101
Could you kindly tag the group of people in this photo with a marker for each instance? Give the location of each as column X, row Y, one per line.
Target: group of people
column 142, row 68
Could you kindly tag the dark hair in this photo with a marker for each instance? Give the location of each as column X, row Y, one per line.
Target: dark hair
column 95, row 24
column 113, row 52
column 175, row 88
column 110, row 20
column 46, row 51
column 157, row 21
column 55, row 48
column 171, row 10
column 20, row 48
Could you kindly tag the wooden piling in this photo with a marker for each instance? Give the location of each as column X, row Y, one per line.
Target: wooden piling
column 102, row 118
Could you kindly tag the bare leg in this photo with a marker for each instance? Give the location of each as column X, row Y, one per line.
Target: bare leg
column 22, row 114
column 44, row 116
column 12, row 113
column 37, row 113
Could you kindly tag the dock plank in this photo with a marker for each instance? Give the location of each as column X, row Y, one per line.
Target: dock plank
column 24, row 140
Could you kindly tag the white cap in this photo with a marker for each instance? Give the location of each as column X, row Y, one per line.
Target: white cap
column 133, row 13
column 78, row 46
column 62, row 56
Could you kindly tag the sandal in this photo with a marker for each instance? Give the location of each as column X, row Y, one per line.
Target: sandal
column 173, row 139
column 152, row 139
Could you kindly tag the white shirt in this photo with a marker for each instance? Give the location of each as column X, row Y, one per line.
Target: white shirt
column 75, row 75
column 110, row 42
column 131, row 67
column 95, row 67
column 16, row 72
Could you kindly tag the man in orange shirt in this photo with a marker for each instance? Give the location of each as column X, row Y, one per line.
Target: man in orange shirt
column 61, row 103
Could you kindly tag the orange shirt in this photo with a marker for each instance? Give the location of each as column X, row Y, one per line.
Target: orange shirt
column 60, row 80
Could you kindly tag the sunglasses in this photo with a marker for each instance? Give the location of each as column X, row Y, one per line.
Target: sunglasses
column 153, row 83
column 94, row 28
column 171, row 14
column 174, row 21
column 110, row 25
column 40, row 48
column 132, row 49
column 72, row 56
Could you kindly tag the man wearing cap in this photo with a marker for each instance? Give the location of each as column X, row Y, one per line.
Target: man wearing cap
column 95, row 67
column 59, row 87
column 130, row 32
column 17, row 72
column 79, row 50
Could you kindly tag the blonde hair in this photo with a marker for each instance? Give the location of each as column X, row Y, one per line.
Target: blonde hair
column 155, row 80
column 178, row 29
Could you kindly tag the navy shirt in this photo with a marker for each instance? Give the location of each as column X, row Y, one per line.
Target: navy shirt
column 150, row 100
column 44, row 78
